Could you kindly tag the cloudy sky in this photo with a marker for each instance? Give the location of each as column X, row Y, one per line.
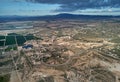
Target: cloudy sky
column 51, row 7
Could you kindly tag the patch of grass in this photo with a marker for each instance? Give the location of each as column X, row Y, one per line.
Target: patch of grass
column 5, row 78
column 11, row 48
column 8, row 49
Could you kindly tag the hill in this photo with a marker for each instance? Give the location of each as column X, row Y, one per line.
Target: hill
column 54, row 17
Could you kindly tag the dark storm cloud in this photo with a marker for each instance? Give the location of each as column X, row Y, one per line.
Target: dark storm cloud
column 72, row 5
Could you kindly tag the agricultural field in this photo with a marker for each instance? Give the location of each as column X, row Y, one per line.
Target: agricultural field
column 13, row 39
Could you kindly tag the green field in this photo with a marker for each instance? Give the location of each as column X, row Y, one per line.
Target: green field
column 20, row 40
column 29, row 37
column 1, row 43
column 10, row 40
column 2, row 37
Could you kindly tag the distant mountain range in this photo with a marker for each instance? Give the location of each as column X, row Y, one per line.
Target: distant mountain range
column 54, row 17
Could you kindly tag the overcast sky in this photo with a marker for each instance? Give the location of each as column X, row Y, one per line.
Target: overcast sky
column 51, row 7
